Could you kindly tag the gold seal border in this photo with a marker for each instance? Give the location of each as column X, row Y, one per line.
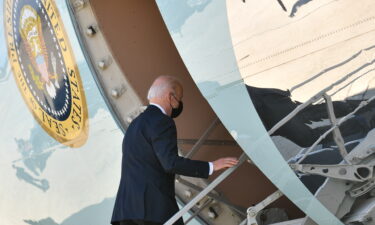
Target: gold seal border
column 73, row 131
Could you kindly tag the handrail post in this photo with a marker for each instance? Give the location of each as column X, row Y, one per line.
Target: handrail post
column 342, row 120
column 198, row 211
column 201, row 140
column 212, row 195
column 337, row 137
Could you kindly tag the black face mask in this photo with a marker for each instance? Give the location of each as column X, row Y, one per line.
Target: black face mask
column 177, row 111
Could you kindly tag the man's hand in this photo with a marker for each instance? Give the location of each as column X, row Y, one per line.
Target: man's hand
column 224, row 163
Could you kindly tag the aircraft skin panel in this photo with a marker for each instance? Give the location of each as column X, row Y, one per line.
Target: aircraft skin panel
column 325, row 38
column 44, row 180
column 204, row 42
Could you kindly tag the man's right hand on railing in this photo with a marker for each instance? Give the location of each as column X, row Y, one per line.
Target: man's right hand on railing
column 223, row 163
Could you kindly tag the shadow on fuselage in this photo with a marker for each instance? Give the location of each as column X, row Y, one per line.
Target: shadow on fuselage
column 96, row 214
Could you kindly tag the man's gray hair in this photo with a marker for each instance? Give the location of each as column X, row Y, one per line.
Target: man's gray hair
column 158, row 89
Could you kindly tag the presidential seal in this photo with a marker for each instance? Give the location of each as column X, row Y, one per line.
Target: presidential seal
column 45, row 69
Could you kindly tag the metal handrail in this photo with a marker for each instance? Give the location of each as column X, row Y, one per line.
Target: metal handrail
column 203, row 138
column 208, row 189
column 335, row 125
column 197, row 146
column 337, row 137
column 243, row 157
column 287, row 118
column 313, row 99
column 342, row 120
column 205, row 204
column 212, row 195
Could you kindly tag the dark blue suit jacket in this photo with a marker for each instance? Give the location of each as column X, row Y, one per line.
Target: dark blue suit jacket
column 149, row 163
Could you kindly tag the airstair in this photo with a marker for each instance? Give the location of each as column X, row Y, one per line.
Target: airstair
column 346, row 181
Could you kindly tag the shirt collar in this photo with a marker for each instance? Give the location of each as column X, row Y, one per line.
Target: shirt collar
column 161, row 108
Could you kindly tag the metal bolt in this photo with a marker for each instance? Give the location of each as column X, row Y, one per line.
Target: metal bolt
column 188, row 194
column 78, row 4
column 102, row 65
column 115, row 93
column 91, row 30
column 212, row 214
column 252, row 212
column 355, row 159
column 342, row 171
column 367, row 219
column 104, row 62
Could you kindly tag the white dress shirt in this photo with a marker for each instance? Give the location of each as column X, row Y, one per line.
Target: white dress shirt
column 210, row 164
column 161, row 108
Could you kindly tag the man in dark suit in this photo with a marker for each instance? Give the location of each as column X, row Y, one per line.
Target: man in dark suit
column 146, row 194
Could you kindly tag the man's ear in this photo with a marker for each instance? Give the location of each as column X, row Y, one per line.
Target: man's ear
column 171, row 94
column 168, row 97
